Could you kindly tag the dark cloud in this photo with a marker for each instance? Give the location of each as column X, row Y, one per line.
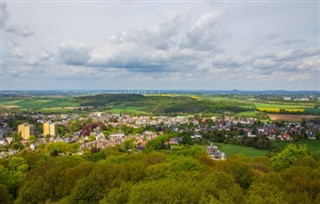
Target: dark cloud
column 292, row 62
column 74, row 53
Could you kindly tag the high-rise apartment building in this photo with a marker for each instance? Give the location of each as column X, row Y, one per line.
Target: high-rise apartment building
column 50, row 128
column 26, row 130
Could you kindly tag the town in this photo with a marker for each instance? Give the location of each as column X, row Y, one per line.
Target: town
column 98, row 130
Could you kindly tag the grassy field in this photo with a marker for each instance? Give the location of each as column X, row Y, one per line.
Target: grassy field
column 230, row 150
column 249, row 113
column 127, row 109
column 312, row 145
column 236, row 149
column 283, row 106
column 39, row 103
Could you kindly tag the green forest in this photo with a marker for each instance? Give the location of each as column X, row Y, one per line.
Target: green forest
column 187, row 175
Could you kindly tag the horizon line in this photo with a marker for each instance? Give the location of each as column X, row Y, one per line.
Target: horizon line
column 161, row 90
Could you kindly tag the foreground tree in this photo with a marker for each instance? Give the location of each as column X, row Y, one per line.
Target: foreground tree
column 289, row 155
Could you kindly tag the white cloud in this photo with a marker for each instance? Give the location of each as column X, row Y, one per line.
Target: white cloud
column 22, row 31
column 208, row 20
column 18, row 53
column 205, row 34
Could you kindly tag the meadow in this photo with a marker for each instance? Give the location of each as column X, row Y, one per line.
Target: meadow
column 127, row 109
column 39, row 103
column 249, row 114
column 231, row 150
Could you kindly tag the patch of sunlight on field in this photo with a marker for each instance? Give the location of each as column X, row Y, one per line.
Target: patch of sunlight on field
column 11, row 102
column 249, row 113
column 196, row 97
column 127, row 109
column 274, row 105
column 43, row 101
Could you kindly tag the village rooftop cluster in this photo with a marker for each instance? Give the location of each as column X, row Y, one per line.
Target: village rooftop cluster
column 194, row 127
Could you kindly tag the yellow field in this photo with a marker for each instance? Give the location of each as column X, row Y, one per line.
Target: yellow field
column 276, row 110
column 294, row 109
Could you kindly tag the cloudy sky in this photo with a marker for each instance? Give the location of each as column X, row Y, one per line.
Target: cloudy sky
column 160, row 45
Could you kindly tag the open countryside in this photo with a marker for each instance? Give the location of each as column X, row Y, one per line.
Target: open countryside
column 159, row 102
column 150, row 104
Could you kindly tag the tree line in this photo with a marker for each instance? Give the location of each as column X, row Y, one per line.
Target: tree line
column 183, row 176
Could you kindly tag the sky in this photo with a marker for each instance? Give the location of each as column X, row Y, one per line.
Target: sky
column 160, row 45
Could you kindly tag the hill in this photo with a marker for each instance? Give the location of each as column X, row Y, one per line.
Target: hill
column 163, row 104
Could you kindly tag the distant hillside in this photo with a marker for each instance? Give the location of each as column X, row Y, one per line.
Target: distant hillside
column 108, row 99
column 161, row 104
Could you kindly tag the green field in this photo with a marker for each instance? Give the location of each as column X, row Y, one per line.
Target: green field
column 127, row 109
column 231, row 150
column 164, row 104
column 40, row 103
column 283, row 106
column 249, row 113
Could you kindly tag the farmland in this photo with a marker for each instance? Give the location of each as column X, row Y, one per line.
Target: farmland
column 288, row 107
column 163, row 104
column 293, row 118
column 39, row 103
column 275, row 110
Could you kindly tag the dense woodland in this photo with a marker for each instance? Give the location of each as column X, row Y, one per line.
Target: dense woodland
column 183, row 176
